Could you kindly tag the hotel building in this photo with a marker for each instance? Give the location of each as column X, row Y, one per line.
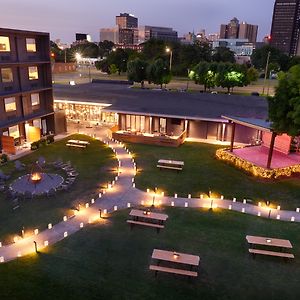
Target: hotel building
column 26, row 97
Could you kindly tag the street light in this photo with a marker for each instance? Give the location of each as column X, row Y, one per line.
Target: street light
column 168, row 50
column 78, row 56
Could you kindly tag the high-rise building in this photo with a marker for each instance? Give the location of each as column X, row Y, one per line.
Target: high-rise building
column 125, row 20
column 237, row 30
column 109, row 34
column 285, row 26
column 26, row 97
column 248, row 31
column 160, row 33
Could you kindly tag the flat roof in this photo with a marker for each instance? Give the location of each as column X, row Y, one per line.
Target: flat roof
column 18, row 31
column 259, row 124
column 186, row 105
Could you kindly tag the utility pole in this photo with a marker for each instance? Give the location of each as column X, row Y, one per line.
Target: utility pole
column 266, row 70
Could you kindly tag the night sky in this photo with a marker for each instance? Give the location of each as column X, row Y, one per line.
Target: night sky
column 62, row 18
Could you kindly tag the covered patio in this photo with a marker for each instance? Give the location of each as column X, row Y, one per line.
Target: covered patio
column 269, row 156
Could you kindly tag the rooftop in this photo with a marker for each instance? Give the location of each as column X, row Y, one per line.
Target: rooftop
column 201, row 106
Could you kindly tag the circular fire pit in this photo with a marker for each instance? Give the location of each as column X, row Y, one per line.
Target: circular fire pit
column 36, row 183
column 35, row 177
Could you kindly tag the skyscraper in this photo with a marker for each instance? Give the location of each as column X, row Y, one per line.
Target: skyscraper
column 125, row 20
column 248, row 31
column 285, row 26
column 237, row 30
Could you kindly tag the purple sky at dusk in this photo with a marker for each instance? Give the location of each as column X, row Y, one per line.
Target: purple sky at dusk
column 62, row 18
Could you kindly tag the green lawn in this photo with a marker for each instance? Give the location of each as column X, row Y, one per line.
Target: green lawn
column 203, row 172
column 111, row 262
column 95, row 167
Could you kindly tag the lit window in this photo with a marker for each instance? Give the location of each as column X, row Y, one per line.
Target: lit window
column 30, row 45
column 14, row 131
column 10, row 104
column 7, row 75
column 33, row 73
column 4, row 44
column 35, row 99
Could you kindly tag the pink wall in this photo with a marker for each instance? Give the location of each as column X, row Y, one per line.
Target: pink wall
column 282, row 142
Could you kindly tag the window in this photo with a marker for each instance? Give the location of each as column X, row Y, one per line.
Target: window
column 4, row 44
column 7, row 75
column 10, row 104
column 162, row 125
column 14, row 131
column 30, row 45
column 35, row 99
column 33, row 73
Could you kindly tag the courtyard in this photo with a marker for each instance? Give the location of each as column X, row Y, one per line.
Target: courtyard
column 106, row 259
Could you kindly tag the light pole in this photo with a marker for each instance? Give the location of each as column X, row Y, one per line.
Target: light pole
column 153, row 199
column 168, row 50
column 270, row 77
column 266, row 70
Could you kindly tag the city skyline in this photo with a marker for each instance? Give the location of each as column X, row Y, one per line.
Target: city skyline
column 183, row 17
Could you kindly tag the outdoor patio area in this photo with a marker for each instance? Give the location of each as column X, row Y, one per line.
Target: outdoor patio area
column 258, row 155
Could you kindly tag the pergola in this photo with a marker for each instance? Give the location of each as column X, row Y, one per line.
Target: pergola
column 258, row 124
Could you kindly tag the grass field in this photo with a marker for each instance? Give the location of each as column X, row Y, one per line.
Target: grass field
column 111, row 262
column 94, row 165
column 202, row 172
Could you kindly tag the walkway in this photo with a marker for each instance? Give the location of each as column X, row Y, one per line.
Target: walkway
column 123, row 194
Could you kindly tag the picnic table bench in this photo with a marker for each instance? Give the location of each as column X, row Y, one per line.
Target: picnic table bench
column 271, row 253
column 173, row 271
column 157, row 226
column 170, row 164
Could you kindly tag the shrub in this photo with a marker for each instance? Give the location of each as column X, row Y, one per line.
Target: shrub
column 35, row 145
column 50, row 139
column 4, row 158
column 42, row 142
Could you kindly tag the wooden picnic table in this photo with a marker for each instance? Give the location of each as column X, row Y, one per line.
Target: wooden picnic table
column 267, row 241
column 175, row 257
column 78, row 142
column 171, row 162
column 148, row 215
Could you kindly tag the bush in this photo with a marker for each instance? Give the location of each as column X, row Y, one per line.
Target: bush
column 35, row 145
column 42, row 142
column 50, row 139
column 4, row 158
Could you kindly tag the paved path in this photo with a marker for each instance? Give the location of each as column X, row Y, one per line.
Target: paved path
column 121, row 195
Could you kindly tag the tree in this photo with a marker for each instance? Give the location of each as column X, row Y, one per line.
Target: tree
column 86, row 49
column 105, row 48
column 231, row 75
column 284, row 107
column 252, row 75
column 103, row 66
column 158, row 72
column 113, row 69
column 204, row 73
column 223, row 54
column 119, row 58
column 137, row 71
column 259, row 58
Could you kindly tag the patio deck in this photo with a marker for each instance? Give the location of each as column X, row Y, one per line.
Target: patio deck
column 258, row 155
